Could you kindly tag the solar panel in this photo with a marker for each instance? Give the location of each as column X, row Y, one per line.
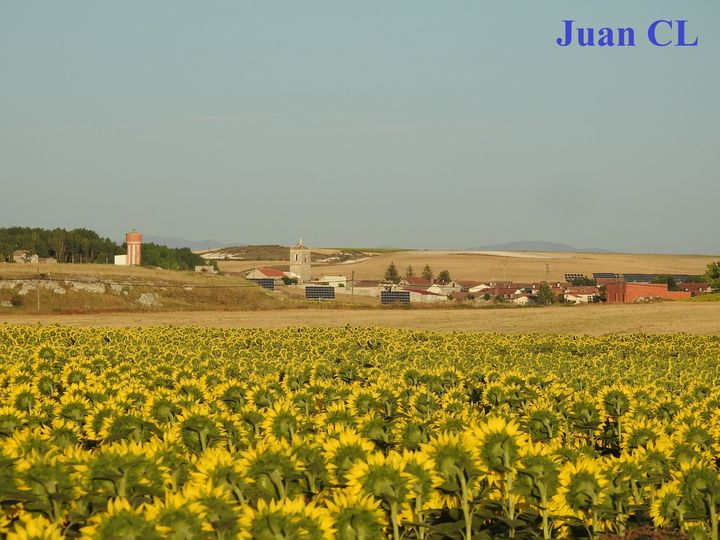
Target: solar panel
column 392, row 297
column 319, row 292
column 265, row 283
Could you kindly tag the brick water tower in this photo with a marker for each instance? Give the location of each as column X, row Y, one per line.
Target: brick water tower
column 134, row 247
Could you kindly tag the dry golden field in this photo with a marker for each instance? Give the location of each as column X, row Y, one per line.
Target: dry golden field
column 174, row 290
column 516, row 266
column 594, row 320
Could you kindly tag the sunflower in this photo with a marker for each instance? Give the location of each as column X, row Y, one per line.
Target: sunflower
column 640, row 432
column 424, row 478
column 699, row 483
column 385, row 478
column 459, row 474
column 216, row 468
column 174, row 518
column 336, row 416
column 11, row 419
column 282, row 420
column 272, row 471
column 120, row 520
column 666, row 510
column 538, row 481
column 199, row 428
column 356, row 516
column 34, row 527
column 342, row 451
column 287, row 518
column 411, row 434
column 582, row 493
column 496, row 443
column 217, row 510
column 24, row 397
column 363, row 401
column 542, row 422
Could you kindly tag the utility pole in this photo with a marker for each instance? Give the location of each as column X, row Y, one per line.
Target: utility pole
column 352, row 287
column 37, row 287
column 547, row 273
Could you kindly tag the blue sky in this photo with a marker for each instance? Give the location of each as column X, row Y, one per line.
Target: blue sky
column 408, row 123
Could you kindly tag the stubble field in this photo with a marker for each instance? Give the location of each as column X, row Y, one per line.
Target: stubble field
column 516, row 266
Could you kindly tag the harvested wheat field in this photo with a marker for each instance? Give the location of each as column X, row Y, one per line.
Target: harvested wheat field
column 591, row 320
column 505, row 265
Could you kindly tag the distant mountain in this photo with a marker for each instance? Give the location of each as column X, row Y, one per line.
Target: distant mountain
column 183, row 243
column 538, row 246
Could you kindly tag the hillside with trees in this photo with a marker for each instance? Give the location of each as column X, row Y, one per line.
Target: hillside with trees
column 86, row 246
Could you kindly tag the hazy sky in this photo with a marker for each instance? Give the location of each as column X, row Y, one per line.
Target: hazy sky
column 443, row 124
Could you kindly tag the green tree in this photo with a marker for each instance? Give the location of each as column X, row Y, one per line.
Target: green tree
column 712, row 275
column 427, row 273
column 668, row 280
column 409, row 271
column 444, row 277
column 170, row 258
column 545, row 295
column 391, row 274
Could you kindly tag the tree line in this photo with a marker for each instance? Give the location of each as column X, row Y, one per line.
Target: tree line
column 86, row 246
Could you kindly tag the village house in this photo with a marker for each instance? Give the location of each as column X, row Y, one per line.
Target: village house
column 367, row 287
column 415, row 281
column 523, row 299
column 695, row 289
column 266, row 273
column 425, row 296
column 23, row 256
column 581, row 294
column 334, row 280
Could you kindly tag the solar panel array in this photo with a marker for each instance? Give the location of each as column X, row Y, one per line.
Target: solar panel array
column 606, row 275
column 644, row 278
column 319, row 292
column 573, row 276
column 265, row 283
column 392, row 297
column 640, row 278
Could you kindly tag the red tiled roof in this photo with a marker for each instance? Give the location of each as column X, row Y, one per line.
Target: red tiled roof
column 468, row 283
column 415, row 280
column 271, row 272
column 581, row 290
column 694, row 287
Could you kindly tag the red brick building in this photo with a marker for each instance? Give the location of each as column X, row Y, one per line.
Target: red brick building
column 621, row 292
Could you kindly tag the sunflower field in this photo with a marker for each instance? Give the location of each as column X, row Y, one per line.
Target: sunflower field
column 355, row 434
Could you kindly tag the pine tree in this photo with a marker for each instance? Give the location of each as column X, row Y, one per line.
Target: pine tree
column 391, row 274
column 427, row 273
column 444, row 277
column 409, row 272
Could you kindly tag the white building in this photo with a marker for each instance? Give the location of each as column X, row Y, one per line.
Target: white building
column 334, row 281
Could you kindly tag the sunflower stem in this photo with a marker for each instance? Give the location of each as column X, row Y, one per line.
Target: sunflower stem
column 394, row 520
column 713, row 517
column 420, row 518
column 465, row 506
column 544, row 511
column 510, row 501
